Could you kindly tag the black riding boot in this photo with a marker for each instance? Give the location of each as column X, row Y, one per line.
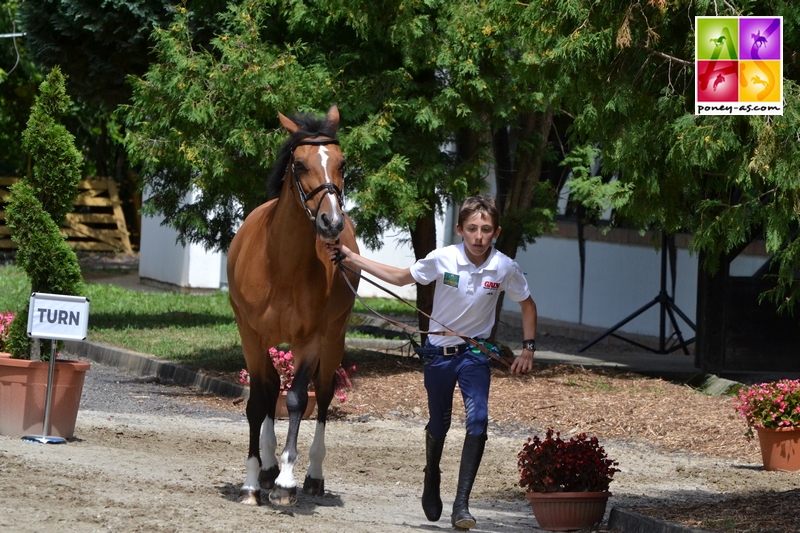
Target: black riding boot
column 431, row 499
column 471, row 456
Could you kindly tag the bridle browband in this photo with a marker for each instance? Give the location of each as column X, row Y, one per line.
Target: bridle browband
column 330, row 187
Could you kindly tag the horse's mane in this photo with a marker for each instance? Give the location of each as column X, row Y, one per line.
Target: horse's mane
column 310, row 126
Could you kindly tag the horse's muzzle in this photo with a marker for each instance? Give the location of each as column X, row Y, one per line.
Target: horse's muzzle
column 329, row 227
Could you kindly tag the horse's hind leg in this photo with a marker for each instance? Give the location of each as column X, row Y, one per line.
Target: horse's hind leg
column 250, row 493
column 269, row 464
column 314, row 483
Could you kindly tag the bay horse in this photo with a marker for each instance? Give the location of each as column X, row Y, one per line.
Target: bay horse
column 284, row 289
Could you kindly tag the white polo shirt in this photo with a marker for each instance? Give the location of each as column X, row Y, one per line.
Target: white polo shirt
column 466, row 296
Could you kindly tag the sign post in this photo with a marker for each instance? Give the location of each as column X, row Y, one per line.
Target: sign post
column 55, row 317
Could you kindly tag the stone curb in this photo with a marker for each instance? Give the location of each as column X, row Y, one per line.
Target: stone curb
column 629, row 522
column 146, row 365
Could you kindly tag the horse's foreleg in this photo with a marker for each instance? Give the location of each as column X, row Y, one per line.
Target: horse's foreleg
column 269, row 464
column 285, row 490
column 315, row 482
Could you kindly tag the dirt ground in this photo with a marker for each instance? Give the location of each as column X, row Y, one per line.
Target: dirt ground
column 150, row 456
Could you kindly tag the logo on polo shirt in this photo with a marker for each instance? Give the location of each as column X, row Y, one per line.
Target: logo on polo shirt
column 451, row 279
column 491, row 285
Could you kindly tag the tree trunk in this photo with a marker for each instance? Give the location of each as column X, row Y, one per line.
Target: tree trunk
column 423, row 239
column 534, row 131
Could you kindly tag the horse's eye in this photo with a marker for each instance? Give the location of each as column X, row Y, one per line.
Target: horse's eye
column 342, row 165
column 299, row 167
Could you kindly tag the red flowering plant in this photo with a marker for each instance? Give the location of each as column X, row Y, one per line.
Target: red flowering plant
column 769, row 405
column 5, row 329
column 284, row 364
column 554, row 465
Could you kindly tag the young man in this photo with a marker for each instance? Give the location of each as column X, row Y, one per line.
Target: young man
column 469, row 277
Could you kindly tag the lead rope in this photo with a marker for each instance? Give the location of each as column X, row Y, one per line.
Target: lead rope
column 405, row 327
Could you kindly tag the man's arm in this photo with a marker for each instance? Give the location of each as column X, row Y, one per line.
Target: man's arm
column 524, row 363
column 387, row 273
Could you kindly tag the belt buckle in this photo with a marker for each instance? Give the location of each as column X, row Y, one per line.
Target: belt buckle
column 449, row 350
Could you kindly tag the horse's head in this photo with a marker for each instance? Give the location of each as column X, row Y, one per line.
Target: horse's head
column 315, row 168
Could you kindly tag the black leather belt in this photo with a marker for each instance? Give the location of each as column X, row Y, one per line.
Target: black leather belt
column 453, row 350
column 447, row 351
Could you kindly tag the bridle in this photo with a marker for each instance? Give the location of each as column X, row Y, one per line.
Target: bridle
column 330, row 187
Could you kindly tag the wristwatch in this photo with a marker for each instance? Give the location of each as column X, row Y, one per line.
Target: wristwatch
column 529, row 344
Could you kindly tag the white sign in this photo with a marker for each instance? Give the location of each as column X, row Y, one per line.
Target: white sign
column 58, row 316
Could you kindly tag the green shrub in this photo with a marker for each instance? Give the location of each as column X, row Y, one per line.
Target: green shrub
column 39, row 202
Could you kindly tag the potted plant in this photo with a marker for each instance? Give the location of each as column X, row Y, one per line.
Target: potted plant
column 35, row 207
column 773, row 410
column 566, row 481
column 283, row 362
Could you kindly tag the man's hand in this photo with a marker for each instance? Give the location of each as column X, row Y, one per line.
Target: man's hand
column 522, row 364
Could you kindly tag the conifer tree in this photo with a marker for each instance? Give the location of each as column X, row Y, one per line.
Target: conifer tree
column 39, row 202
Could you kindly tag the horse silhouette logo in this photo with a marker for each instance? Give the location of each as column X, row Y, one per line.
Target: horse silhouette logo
column 757, row 80
column 758, row 39
column 720, row 79
column 718, row 41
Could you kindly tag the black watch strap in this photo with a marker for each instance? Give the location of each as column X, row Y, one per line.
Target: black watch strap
column 529, row 344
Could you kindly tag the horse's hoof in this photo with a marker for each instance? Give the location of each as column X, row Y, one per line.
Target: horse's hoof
column 266, row 478
column 314, row 487
column 250, row 496
column 283, row 497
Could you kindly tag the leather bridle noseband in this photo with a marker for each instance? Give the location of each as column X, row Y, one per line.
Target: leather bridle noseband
column 330, row 187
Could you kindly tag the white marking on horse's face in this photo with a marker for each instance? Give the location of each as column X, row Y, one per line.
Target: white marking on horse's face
column 323, row 156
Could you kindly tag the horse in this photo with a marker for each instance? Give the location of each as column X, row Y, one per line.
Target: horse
column 758, row 39
column 284, row 289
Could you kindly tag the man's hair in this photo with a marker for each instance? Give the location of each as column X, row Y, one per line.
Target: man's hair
column 485, row 205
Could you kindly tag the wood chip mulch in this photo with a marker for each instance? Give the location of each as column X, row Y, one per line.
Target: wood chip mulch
column 608, row 404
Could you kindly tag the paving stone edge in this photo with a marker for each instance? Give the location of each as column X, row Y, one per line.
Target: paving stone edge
column 621, row 519
column 147, row 365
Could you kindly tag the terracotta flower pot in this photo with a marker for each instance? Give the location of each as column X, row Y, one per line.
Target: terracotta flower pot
column 568, row 511
column 780, row 448
column 281, row 412
column 23, row 385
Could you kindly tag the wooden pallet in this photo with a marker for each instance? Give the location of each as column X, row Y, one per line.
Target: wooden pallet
column 96, row 224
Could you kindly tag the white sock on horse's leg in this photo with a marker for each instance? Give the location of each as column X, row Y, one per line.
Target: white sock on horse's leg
column 286, row 477
column 316, row 454
column 269, row 443
column 253, row 469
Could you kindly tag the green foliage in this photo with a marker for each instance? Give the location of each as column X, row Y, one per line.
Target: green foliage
column 36, row 203
column 408, row 78
column 57, row 163
column 19, row 78
column 627, row 77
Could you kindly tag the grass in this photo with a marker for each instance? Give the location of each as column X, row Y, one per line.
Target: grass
column 198, row 331
column 385, row 306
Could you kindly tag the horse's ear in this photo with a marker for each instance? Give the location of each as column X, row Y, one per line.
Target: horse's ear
column 333, row 116
column 290, row 126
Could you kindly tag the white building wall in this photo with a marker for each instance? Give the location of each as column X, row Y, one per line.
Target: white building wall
column 619, row 280
column 163, row 260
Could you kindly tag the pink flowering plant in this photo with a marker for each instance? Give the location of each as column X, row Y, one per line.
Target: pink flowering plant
column 5, row 329
column 284, row 364
column 769, row 405
column 554, row 465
